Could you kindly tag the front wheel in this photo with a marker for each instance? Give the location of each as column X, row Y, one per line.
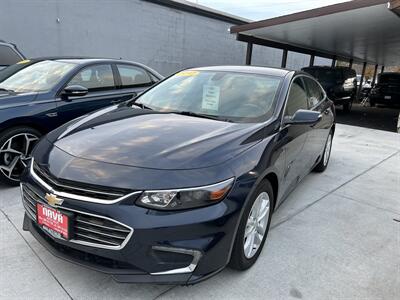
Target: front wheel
column 253, row 227
column 321, row 166
column 16, row 145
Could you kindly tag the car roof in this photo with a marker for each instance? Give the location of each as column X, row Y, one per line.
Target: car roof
column 247, row 69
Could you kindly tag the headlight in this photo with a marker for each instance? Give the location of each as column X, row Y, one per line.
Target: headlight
column 185, row 198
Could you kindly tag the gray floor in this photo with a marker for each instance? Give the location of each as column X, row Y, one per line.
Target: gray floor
column 336, row 236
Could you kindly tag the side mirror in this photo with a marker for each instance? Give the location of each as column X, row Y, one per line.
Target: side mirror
column 74, row 91
column 303, row 117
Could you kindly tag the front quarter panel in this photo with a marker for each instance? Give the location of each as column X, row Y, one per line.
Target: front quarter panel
column 35, row 110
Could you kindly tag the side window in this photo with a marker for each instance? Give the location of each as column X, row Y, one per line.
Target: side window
column 314, row 92
column 297, row 97
column 132, row 76
column 8, row 56
column 95, row 78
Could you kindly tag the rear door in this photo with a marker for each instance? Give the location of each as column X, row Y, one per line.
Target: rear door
column 318, row 133
column 100, row 81
column 295, row 136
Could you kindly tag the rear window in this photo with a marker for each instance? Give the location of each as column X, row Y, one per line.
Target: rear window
column 325, row 75
column 390, row 79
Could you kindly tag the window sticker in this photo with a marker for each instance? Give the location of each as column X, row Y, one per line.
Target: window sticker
column 210, row 97
column 23, row 62
column 188, row 73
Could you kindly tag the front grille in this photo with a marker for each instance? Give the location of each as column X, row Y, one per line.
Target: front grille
column 97, row 192
column 87, row 229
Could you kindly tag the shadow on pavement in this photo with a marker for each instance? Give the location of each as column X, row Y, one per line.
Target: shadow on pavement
column 379, row 117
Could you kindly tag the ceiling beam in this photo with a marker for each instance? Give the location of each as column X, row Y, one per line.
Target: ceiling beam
column 288, row 47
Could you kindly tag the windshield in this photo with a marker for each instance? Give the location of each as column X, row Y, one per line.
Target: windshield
column 38, row 77
column 390, row 79
column 325, row 75
column 231, row 96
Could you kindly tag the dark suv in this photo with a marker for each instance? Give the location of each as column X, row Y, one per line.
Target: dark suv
column 340, row 83
column 387, row 90
column 48, row 93
column 9, row 54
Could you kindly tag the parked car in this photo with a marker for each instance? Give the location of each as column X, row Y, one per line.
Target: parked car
column 9, row 54
column 181, row 181
column 387, row 90
column 46, row 94
column 340, row 84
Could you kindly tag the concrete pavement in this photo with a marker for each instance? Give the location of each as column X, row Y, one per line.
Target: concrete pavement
column 336, row 236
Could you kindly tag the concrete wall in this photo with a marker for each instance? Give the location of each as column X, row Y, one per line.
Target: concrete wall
column 163, row 38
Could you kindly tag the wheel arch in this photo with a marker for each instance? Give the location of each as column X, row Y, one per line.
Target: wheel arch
column 23, row 122
column 273, row 180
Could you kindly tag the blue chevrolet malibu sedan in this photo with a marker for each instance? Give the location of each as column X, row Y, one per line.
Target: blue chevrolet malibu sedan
column 38, row 95
column 178, row 183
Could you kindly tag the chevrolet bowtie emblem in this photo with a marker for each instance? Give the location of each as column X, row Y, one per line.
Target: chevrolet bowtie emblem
column 53, row 200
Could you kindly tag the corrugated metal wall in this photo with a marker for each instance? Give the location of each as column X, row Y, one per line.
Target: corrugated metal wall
column 166, row 39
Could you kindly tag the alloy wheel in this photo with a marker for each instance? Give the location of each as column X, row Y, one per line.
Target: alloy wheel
column 256, row 225
column 14, row 153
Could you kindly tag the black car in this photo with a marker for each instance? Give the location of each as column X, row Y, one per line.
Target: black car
column 9, row 54
column 387, row 90
column 340, row 83
column 178, row 183
column 48, row 93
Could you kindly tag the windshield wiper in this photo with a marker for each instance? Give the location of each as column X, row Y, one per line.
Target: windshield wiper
column 193, row 114
column 141, row 105
column 6, row 90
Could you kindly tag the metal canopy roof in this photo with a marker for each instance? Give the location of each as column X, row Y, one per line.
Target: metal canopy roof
column 363, row 30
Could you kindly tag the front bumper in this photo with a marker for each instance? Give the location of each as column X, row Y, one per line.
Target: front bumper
column 164, row 247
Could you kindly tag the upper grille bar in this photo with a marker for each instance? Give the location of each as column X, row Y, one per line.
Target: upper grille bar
column 75, row 196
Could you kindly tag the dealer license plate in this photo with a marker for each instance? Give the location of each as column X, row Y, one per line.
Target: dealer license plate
column 53, row 221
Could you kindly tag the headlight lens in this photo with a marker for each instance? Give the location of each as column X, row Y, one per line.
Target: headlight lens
column 185, row 198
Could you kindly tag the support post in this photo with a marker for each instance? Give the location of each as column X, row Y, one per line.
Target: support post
column 312, row 59
column 351, row 63
column 249, row 53
column 333, row 62
column 361, row 80
column 383, row 69
column 374, row 78
column 284, row 58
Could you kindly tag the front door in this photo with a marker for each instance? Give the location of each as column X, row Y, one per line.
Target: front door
column 102, row 91
column 294, row 136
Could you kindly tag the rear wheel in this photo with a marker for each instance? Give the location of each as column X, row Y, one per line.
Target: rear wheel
column 16, row 145
column 253, row 227
column 321, row 166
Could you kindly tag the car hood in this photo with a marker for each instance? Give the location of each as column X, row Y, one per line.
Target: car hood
column 148, row 139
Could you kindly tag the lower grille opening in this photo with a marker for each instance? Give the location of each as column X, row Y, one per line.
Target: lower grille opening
column 85, row 257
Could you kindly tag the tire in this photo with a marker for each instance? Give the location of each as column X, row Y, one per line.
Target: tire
column 323, row 164
column 347, row 106
column 16, row 145
column 239, row 259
